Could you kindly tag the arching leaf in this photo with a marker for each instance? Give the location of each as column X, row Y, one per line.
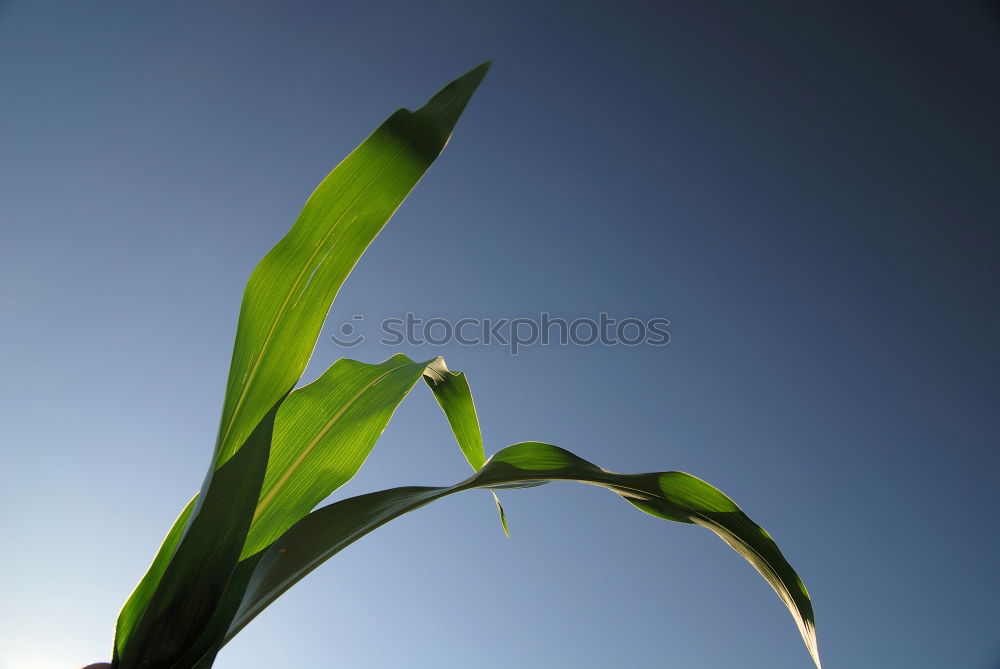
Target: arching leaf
column 674, row 496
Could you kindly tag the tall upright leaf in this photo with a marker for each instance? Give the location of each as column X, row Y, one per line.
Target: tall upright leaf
column 284, row 305
column 290, row 292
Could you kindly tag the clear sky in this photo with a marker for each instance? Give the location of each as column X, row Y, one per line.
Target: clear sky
column 808, row 191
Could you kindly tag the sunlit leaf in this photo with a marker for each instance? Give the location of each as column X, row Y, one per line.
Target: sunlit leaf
column 251, row 532
column 322, row 434
column 451, row 389
column 325, row 430
column 290, row 292
column 284, row 305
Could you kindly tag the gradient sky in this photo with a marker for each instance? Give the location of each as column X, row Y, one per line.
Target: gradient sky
column 808, row 191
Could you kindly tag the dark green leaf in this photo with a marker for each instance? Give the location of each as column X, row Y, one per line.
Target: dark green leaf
column 199, row 569
column 143, row 592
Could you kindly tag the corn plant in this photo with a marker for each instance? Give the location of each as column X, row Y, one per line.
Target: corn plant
column 252, row 531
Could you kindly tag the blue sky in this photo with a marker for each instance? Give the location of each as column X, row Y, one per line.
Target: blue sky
column 807, row 191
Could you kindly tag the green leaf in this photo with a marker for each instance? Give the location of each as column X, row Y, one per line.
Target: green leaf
column 143, row 592
column 284, row 305
column 290, row 292
column 201, row 653
column 324, row 432
column 195, row 579
column 672, row 496
column 451, row 390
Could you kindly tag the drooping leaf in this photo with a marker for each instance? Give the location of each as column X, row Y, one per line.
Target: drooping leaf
column 452, row 392
column 672, row 496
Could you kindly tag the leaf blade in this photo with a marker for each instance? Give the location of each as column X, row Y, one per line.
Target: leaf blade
column 196, row 576
column 323, row 433
column 672, row 496
column 290, row 292
column 139, row 599
column 284, row 305
column 454, row 396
